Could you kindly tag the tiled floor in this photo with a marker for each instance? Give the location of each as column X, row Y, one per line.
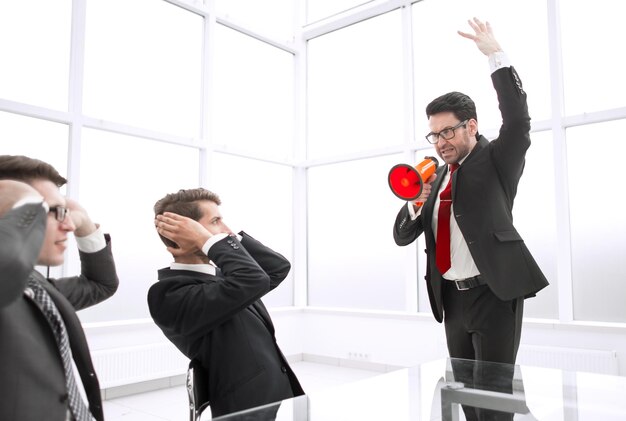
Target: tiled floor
column 171, row 404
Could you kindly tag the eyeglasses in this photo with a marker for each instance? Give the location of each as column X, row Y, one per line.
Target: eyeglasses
column 446, row 134
column 60, row 212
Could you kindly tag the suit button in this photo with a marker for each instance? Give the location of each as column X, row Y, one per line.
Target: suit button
column 283, row 369
column 63, row 398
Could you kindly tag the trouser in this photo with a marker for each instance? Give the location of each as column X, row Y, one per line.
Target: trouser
column 480, row 326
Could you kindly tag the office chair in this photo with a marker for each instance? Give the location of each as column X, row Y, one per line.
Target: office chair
column 197, row 390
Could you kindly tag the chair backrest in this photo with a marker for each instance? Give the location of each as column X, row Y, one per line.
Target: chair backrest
column 197, row 389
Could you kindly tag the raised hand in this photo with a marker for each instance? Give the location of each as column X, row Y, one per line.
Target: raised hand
column 483, row 37
column 188, row 234
column 80, row 218
column 12, row 191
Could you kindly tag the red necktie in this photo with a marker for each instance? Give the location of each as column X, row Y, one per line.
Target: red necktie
column 442, row 251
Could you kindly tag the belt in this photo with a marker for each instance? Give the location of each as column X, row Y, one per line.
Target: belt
column 468, row 283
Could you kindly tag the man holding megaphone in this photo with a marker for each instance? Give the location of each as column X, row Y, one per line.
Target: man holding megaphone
column 479, row 269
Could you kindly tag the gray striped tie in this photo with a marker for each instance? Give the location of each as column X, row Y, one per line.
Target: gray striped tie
column 43, row 300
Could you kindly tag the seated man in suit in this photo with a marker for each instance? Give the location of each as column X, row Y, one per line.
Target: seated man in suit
column 42, row 343
column 208, row 303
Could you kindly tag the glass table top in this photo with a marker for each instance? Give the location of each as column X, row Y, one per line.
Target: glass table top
column 450, row 389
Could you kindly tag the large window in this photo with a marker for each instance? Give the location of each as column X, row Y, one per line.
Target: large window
column 140, row 83
column 355, row 87
column 320, row 9
column 143, row 65
column 598, row 227
column 294, row 112
column 593, row 64
column 35, row 51
column 353, row 260
column 36, row 138
column 276, row 18
column 442, row 61
column 252, row 96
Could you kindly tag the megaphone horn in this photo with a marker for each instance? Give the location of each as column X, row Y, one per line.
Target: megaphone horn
column 407, row 182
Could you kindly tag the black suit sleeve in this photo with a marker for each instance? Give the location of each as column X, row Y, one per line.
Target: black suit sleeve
column 508, row 151
column 275, row 265
column 97, row 281
column 405, row 230
column 191, row 304
column 22, row 231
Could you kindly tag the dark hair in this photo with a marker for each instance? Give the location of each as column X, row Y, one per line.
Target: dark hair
column 184, row 203
column 23, row 168
column 459, row 104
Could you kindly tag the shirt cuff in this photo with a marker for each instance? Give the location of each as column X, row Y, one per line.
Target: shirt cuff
column 31, row 199
column 212, row 240
column 91, row 243
column 412, row 211
column 498, row 60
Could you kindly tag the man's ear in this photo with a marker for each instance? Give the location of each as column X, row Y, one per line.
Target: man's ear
column 472, row 127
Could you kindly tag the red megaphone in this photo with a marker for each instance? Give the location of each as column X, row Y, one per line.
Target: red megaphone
column 407, row 182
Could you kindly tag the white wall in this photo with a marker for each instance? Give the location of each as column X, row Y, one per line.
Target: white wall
column 378, row 340
column 407, row 339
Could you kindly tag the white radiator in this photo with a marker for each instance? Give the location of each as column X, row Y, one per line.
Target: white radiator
column 128, row 365
column 589, row 360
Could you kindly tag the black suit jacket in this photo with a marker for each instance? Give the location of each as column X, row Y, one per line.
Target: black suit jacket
column 32, row 381
column 484, row 189
column 220, row 321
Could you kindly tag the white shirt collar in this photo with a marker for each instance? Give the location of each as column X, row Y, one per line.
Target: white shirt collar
column 200, row 267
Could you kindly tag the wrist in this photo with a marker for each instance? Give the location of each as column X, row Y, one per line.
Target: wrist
column 498, row 60
column 202, row 240
column 212, row 239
